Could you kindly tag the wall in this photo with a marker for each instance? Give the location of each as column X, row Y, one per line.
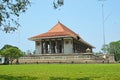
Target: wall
column 68, row 46
column 38, row 47
column 65, row 58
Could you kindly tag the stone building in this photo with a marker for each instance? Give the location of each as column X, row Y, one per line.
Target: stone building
column 60, row 39
column 62, row 45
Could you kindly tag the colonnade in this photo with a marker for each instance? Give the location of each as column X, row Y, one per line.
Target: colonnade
column 52, row 46
column 79, row 47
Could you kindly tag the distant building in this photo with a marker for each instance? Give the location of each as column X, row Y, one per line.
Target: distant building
column 1, row 59
column 60, row 39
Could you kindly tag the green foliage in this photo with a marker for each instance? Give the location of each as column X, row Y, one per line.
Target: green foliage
column 58, row 3
column 117, row 57
column 105, row 48
column 98, row 53
column 6, row 46
column 113, row 48
column 10, row 53
column 10, row 11
column 60, row 72
column 0, row 52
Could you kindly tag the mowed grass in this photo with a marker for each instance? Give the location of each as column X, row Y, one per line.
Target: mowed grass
column 60, row 72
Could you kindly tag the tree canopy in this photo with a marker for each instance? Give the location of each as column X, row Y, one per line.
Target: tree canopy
column 10, row 53
column 10, row 11
column 113, row 48
column 58, row 3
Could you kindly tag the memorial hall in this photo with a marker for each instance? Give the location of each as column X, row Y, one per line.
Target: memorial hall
column 60, row 39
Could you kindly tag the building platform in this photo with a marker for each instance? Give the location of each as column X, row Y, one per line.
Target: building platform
column 67, row 58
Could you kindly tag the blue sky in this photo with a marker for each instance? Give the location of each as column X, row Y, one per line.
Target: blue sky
column 82, row 16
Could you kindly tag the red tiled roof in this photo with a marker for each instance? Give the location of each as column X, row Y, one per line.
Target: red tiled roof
column 59, row 30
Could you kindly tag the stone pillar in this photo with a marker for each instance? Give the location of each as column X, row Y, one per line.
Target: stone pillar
column 91, row 50
column 76, row 47
column 73, row 46
column 50, row 46
column 53, row 46
column 42, row 47
column 46, row 47
column 56, row 46
column 62, row 41
column 44, row 51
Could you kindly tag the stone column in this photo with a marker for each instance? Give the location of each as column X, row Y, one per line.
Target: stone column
column 50, row 46
column 46, row 47
column 56, row 46
column 73, row 46
column 42, row 47
column 62, row 41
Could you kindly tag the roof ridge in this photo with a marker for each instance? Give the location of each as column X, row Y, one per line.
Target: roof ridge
column 63, row 26
column 59, row 30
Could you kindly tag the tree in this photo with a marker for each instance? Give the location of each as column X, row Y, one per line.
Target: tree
column 4, row 54
column 11, row 53
column 10, row 11
column 58, row 3
column 105, row 48
column 113, row 48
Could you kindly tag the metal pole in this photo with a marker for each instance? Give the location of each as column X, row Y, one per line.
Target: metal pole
column 103, row 24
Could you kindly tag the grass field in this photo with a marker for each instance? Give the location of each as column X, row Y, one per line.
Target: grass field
column 60, row 72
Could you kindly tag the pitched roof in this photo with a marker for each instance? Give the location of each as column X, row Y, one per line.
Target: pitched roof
column 59, row 30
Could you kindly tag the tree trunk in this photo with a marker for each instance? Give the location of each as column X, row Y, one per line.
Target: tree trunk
column 17, row 61
column 6, row 60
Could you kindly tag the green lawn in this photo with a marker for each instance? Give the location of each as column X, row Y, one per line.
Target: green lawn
column 60, row 72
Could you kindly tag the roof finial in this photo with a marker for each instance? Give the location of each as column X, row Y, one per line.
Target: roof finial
column 58, row 21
